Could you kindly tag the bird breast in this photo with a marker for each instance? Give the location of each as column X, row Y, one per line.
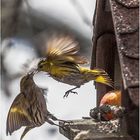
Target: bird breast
column 75, row 79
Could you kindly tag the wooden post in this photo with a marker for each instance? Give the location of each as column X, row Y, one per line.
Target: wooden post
column 104, row 44
column 105, row 56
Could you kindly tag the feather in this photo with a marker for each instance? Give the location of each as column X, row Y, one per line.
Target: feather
column 17, row 116
column 62, row 49
column 26, row 130
column 98, row 75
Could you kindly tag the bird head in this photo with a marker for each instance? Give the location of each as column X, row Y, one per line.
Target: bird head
column 43, row 65
column 26, row 81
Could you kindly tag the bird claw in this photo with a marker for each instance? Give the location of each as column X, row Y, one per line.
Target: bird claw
column 66, row 124
column 74, row 92
column 64, row 121
column 63, row 127
column 66, row 94
column 69, row 91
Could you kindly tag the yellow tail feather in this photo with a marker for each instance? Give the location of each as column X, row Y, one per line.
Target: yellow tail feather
column 105, row 80
column 98, row 75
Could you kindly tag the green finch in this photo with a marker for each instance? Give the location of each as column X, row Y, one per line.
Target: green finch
column 64, row 64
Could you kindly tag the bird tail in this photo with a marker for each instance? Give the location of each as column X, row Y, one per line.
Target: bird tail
column 98, row 75
column 102, row 77
column 27, row 129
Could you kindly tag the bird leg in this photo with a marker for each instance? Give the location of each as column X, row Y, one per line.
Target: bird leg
column 52, row 116
column 71, row 91
column 56, row 119
column 52, row 123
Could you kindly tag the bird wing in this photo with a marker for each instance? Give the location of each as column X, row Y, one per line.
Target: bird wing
column 17, row 116
column 64, row 49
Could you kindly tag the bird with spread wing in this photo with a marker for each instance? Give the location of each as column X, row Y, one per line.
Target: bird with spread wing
column 63, row 63
column 29, row 108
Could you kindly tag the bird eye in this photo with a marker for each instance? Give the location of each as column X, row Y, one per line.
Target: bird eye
column 40, row 66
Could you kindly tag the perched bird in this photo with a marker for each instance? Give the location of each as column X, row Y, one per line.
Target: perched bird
column 28, row 108
column 63, row 63
column 109, row 107
column 111, row 98
column 107, row 112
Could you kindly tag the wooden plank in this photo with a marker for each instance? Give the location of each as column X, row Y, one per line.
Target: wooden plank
column 132, row 116
column 89, row 129
column 105, row 58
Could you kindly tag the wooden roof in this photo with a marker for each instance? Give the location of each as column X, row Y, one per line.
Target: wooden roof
column 124, row 15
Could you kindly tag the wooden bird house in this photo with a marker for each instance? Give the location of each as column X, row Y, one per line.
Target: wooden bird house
column 116, row 50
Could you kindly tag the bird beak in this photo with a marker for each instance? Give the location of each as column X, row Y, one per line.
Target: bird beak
column 33, row 72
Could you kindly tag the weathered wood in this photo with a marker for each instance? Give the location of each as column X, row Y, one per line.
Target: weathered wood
column 103, row 43
column 89, row 129
column 125, row 18
column 105, row 58
column 117, row 72
column 122, row 21
column 102, row 24
column 132, row 117
column 108, row 56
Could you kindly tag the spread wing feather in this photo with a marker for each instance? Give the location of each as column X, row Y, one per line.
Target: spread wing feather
column 17, row 116
column 26, row 130
column 64, row 49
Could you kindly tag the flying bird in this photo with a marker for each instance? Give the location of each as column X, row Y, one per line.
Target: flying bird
column 64, row 64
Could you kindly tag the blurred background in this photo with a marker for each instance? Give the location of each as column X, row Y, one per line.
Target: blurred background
column 26, row 25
